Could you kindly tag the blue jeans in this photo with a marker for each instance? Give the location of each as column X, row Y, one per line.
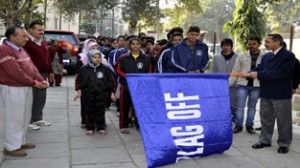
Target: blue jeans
column 242, row 92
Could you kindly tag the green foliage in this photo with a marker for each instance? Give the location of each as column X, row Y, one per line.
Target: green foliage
column 18, row 12
column 71, row 7
column 176, row 17
column 248, row 21
column 279, row 19
column 184, row 13
column 216, row 14
column 134, row 11
column 192, row 6
column 31, row 13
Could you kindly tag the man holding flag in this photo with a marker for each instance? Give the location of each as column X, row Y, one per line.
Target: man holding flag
column 275, row 75
column 191, row 55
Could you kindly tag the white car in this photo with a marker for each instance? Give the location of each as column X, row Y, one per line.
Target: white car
column 2, row 39
column 211, row 49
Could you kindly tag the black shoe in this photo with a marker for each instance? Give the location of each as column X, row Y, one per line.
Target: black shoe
column 237, row 129
column 260, row 145
column 130, row 124
column 83, row 126
column 258, row 129
column 250, row 130
column 283, row 150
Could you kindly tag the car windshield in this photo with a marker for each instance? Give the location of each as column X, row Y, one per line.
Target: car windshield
column 54, row 36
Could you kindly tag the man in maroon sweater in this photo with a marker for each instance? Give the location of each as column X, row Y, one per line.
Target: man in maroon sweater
column 17, row 77
column 37, row 48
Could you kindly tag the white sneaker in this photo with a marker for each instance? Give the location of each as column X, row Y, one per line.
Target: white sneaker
column 43, row 123
column 33, row 127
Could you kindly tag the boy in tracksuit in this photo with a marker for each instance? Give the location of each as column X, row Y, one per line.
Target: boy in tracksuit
column 134, row 62
column 95, row 81
column 190, row 55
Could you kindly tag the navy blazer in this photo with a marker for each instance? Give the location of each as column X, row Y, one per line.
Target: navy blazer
column 275, row 75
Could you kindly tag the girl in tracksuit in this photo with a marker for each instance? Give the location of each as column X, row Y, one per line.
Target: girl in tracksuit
column 95, row 81
column 134, row 62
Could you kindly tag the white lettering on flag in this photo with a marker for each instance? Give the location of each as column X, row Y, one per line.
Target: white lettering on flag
column 189, row 130
column 185, row 135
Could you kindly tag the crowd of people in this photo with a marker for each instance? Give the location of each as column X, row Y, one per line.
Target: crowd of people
column 28, row 67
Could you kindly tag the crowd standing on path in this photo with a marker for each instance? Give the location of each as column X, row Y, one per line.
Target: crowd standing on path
column 105, row 62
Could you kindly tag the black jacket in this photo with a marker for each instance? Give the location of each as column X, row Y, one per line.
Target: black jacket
column 96, row 80
column 130, row 65
column 296, row 77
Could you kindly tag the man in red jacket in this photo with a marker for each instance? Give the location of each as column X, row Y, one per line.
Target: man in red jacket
column 37, row 48
column 17, row 77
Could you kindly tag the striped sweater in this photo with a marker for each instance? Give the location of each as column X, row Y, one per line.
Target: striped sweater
column 16, row 68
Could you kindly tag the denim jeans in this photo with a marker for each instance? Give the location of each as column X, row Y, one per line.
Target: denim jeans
column 242, row 93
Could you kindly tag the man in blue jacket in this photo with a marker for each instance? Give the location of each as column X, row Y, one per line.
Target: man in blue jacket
column 275, row 75
column 191, row 55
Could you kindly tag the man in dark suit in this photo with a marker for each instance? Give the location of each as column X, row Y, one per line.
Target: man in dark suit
column 275, row 75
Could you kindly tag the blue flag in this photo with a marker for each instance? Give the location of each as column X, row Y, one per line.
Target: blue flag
column 181, row 115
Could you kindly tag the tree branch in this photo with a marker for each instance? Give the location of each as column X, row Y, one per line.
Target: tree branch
column 23, row 7
column 2, row 15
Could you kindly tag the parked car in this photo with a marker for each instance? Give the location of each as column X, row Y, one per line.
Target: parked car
column 82, row 37
column 211, row 53
column 2, row 39
column 69, row 41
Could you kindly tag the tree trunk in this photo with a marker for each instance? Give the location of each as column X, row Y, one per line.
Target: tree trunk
column 190, row 19
column 132, row 27
column 45, row 13
column 10, row 16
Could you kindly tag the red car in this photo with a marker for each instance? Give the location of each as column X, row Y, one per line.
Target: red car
column 70, row 41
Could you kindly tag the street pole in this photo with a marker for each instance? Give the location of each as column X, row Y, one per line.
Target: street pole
column 113, row 22
column 79, row 20
column 45, row 13
column 60, row 20
column 157, row 20
column 215, row 41
column 101, row 21
column 291, row 37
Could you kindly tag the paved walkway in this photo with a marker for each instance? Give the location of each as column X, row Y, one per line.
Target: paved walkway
column 65, row 145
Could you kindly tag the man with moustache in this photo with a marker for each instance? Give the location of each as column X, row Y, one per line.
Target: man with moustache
column 17, row 77
column 37, row 48
column 275, row 75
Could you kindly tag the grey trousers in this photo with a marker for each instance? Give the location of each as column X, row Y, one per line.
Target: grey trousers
column 39, row 101
column 271, row 109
